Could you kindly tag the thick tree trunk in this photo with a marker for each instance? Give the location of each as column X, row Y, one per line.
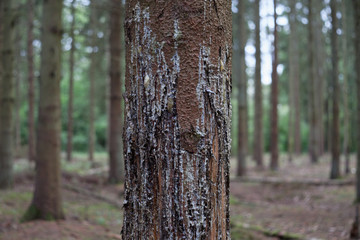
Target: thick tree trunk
column 294, row 85
column 356, row 5
column 258, row 121
column 335, row 136
column 116, row 160
column 71, row 85
column 242, row 95
column 274, row 161
column 31, row 87
column 7, row 94
column 47, row 203
column 178, row 114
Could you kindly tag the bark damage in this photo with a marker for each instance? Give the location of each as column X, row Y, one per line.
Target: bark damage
column 178, row 112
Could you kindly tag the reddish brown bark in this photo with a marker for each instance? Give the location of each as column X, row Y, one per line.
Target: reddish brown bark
column 274, row 161
column 177, row 128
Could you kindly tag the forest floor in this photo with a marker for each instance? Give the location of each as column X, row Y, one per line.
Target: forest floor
column 297, row 202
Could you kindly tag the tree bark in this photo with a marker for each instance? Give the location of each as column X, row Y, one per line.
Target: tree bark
column 242, row 94
column 335, row 136
column 71, row 85
column 7, row 95
column 258, row 128
column 274, row 161
column 47, row 203
column 116, row 160
column 31, row 87
column 294, row 85
column 178, row 115
column 92, row 134
column 356, row 5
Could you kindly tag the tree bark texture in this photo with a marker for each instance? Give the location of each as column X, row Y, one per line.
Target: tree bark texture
column 178, row 114
column 294, row 85
column 7, row 94
column 356, row 5
column 30, row 76
column 242, row 95
column 71, row 85
column 258, row 128
column 274, row 161
column 47, row 202
column 335, row 126
column 116, row 160
column 316, row 80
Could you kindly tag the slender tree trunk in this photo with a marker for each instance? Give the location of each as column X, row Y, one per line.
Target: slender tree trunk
column 18, row 97
column 7, row 94
column 116, row 166
column 31, row 88
column 92, row 135
column 294, row 85
column 71, row 85
column 242, row 94
column 346, row 128
column 258, row 128
column 274, row 161
column 335, row 136
column 47, row 203
column 356, row 5
column 178, row 114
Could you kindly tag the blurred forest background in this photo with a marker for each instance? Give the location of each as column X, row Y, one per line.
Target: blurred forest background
column 283, row 156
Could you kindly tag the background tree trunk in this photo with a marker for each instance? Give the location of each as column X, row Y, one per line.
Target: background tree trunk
column 116, row 161
column 7, row 94
column 47, row 203
column 178, row 114
column 335, row 136
column 31, row 87
column 274, row 161
column 258, row 128
column 356, row 5
column 71, row 85
column 294, row 85
column 242, row 94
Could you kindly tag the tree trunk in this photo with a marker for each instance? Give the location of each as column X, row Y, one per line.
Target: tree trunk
column 356, row 5
column 242, row 94
column 71, row 85
column 92, row 134
column 7, row 94
column 258, row 128
column 116, row 160
column 31, row 88
column 274, row 161
column 178, row 115
column 18, row 97
column 47, row 203
column 294, row 85
column 345, row 87
column 335, row 136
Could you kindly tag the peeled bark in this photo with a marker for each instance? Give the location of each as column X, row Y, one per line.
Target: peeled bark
column 258, row 121
column 116, row 160
column 71, row 85
column 7, row 94
column 356, row 5
column 335, row 128
column 242, row 95
column 31, row 87
column 178, row 114
column 47, row 203
column 274, row 161
column 294, row 85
